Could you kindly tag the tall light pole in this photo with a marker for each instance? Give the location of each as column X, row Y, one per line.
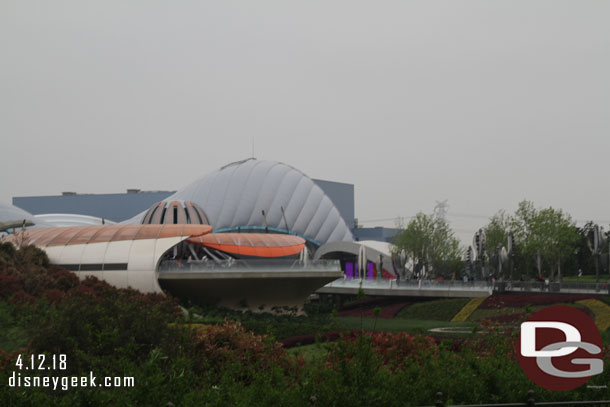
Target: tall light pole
column 511, row 249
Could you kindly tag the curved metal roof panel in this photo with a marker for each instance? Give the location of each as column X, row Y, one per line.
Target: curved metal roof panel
column 237, row 194
column 10, row 213
column 68, row 219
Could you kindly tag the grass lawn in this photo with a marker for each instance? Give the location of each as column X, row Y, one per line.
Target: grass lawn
column 437, row 310
column 411, row 326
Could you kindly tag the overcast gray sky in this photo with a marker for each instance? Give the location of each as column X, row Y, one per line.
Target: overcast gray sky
column 483, row 103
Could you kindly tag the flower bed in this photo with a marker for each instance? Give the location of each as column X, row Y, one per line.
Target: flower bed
column 507, row 318
column 522, row 300
column 394, row 350
column 468, row 309
column 601, row 312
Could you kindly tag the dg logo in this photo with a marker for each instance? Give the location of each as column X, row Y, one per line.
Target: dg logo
column 560, row 348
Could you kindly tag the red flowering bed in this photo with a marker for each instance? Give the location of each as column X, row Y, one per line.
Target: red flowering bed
column 522, row 300
column 394, row 349
column 218, row 345
column 399, row 346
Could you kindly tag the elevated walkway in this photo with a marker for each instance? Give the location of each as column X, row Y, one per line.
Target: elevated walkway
column 254, row 284
column 410, row 288
column 456, row 289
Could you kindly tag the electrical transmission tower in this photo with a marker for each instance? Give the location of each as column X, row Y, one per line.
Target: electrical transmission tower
column 441, row 208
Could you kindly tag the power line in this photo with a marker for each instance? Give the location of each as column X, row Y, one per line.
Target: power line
column 449, row 214
column 468, row 215
column 385, row 219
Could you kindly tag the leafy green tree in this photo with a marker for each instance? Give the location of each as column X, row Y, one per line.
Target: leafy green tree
column 544, row 236
column 547, row 234
column 555, row 236
column 584, row 259
column 496, row 234
column 496, row 231
column 428, row 240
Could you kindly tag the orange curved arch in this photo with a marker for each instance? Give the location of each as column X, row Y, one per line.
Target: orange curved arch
column 252, row 244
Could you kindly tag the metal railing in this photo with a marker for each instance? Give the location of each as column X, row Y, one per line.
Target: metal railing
column 556, row 287
column 478, row 285
column 249, row 265
column 530, row 402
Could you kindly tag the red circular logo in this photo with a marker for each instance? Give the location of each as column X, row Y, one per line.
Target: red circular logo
column 559, row 348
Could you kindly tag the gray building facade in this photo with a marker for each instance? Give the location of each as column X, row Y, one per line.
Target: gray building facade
column 114, row 207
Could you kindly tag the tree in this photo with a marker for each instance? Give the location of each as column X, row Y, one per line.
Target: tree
column 429, row 242
column 547, row 234
column 496, row 231
column 554, row 235
column 496, row 235
column 586, row 257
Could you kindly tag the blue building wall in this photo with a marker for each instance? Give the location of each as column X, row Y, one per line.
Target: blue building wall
column 115, row 207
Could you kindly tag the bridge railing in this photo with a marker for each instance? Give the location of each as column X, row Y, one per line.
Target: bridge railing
column 557, row 287
column 459, row 285
column 456, row 285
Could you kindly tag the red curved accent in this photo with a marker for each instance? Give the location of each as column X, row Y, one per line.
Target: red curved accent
column 252, row 244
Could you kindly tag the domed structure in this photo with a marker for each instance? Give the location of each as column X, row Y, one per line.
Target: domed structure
column 175, row 212
column 256, row 195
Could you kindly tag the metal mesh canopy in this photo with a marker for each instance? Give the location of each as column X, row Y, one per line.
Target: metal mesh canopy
column 236, row 195
column 74, row 235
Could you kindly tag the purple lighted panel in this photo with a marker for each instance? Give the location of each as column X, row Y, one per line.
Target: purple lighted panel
column 349, row 270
